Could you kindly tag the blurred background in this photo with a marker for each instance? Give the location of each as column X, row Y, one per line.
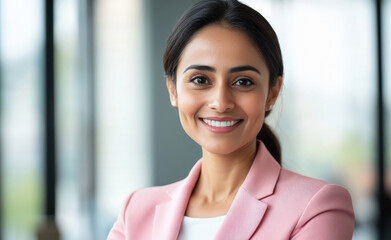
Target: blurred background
column 113, row 129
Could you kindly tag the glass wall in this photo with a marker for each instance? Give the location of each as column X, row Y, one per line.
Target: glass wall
column 102, row 117
column 72, row 216
column 326, row 117
column 123, row 106
column 21, row 32
column 102, row 107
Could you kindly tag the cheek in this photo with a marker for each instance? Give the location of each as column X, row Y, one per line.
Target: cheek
column 188, row 105
column 254, row 107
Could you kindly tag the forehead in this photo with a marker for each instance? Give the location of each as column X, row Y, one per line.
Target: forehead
column 221, row 46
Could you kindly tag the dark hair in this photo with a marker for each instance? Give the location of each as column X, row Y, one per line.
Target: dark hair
column 239, row 16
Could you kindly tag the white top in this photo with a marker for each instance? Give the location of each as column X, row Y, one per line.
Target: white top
column 199, row 228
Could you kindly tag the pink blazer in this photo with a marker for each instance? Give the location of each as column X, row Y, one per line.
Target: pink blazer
column 272, row 203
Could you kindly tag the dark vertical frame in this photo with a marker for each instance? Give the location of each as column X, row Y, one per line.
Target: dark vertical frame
column 89, row 91
column 380, row 124
column 88, row 117
column 50, row 135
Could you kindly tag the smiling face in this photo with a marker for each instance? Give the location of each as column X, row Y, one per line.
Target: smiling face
column 222, row 89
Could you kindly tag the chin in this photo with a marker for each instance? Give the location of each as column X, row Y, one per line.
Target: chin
column 219, row 151
column 224, row 147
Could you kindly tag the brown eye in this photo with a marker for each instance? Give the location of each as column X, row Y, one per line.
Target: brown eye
column 243, row 82
column 199, row 80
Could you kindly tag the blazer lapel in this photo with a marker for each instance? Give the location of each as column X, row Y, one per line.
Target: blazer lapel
column 169, row 214
column 243, row 217
column 247, row 209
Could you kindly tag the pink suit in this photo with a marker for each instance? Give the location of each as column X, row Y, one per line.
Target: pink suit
column 272, row 204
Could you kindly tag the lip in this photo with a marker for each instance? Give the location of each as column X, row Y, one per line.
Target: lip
column 221, row 129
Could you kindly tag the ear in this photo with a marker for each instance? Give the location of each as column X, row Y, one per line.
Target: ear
column 172, row 91
column 273, row 94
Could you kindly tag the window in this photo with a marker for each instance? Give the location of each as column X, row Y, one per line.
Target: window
column 21, row 116
column 326, row 117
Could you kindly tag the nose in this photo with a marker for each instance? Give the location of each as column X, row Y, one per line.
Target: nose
column 221, row 99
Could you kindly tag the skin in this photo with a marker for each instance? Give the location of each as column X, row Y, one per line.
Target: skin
column 220, row 89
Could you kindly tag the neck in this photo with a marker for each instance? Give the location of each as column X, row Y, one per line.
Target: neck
column 222, row 175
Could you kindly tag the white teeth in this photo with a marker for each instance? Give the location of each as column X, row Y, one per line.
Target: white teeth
column 214, row 123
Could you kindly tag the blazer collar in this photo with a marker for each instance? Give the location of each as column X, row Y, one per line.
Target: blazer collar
column 246, row 209
column 263, row 175
column 169, row 214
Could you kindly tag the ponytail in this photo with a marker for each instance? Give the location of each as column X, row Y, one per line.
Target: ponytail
column 271, row 142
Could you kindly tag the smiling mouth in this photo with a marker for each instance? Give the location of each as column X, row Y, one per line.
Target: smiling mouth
column 220, row 124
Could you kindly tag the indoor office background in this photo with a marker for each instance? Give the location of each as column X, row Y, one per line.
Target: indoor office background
column 115, row 130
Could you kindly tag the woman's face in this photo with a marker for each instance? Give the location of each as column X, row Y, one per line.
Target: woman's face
column 222, row 89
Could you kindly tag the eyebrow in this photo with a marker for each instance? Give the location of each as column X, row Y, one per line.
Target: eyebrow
column 244, row 68
column 232, row 70
column 200, row 67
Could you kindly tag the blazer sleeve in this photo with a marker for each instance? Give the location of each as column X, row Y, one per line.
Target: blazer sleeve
column 117, row 232
column 328, row 215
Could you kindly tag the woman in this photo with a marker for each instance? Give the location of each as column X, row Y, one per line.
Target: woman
column 224, row 74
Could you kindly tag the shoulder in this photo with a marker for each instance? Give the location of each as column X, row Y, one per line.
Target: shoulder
column 296, row 184
column 317, row 203
column 137, row 211
column 311, row 192
column 317, row 193
column 153, row 194
column 148, row 197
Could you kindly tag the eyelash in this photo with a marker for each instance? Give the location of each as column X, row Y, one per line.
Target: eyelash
column 193, row 80
column 249, row 82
